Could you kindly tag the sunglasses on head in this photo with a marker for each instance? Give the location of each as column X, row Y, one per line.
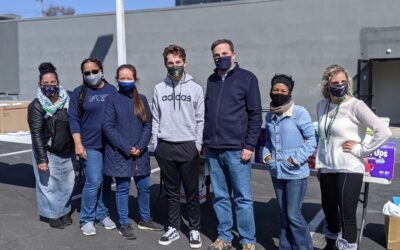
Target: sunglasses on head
column 94, row 72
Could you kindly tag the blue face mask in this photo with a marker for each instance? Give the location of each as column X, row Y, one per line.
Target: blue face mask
column 126, row 86
column 223, row 63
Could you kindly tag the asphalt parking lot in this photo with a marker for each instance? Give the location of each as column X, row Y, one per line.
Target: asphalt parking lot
column 20, row 227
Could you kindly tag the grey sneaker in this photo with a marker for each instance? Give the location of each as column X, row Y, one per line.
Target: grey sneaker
column 195, row 240
column 88, row 228
column 127, row 232
column 107, row 223
column 171, row 235
column 150, row 225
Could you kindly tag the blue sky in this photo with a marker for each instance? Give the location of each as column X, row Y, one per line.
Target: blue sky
column 32, row 8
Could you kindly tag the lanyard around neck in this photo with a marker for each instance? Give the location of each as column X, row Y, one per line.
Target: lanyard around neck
column 328, row 127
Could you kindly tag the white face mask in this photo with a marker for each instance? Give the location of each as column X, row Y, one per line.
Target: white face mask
column 93, row 79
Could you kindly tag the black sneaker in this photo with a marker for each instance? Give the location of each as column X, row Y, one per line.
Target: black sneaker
column 150, row 225
column 194, row 240
column 330, row 244
column 67, row 220
column 56, row 223
column 171, row 235
column 127, row 232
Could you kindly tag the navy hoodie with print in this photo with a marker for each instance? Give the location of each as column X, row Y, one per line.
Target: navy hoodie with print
column 233, row 110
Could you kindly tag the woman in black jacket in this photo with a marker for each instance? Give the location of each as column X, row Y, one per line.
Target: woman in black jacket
column 52, row 148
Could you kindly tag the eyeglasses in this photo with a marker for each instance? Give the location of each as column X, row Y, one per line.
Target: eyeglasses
column 94, row 72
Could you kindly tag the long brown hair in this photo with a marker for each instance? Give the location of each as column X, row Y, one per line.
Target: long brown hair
column 139, row 109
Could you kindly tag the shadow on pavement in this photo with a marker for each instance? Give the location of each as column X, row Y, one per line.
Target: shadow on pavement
column 18, row 174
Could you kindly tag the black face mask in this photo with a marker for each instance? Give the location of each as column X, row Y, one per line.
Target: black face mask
column 279, row 99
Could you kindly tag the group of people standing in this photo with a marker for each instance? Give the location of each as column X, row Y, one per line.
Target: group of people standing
column 109, row 130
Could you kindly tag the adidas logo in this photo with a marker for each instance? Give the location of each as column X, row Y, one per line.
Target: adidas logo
column 184, row 98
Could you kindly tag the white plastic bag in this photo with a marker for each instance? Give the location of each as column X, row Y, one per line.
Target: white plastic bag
column 391, row 209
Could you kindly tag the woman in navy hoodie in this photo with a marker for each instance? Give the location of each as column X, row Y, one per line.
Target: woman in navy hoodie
column 127, row 127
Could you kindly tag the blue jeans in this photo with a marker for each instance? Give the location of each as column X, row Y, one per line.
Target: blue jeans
column 54, row 186
column 294, row 232
column 97, row 189
column 122, row 197
column 230, row 175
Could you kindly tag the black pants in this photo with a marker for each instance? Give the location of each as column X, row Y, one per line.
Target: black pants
column 179, row 163
column 340, row 193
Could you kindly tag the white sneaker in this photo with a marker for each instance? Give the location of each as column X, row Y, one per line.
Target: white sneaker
column 171, row 235
column 107, row 223
column 88, row 228
column 195, row 240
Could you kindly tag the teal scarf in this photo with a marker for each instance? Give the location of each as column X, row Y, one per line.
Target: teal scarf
column 48, row 106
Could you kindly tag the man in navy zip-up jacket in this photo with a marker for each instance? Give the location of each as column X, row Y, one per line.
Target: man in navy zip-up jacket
column 232, row 126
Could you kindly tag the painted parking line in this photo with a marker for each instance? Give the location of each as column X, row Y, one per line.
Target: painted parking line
column 16, row 153
column 315, row 222
column 75, row 197
column 155, row 170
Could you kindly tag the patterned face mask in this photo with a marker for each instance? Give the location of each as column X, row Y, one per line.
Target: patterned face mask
column 338, row 90
column 176, row 71
column 50, row 90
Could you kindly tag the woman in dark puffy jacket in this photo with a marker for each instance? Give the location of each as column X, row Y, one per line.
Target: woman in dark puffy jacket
column 127, row 127
column 52, row 148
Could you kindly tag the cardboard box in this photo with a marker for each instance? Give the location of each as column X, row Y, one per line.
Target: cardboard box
column 392, row 232
column 380, row 164
column 13, row 116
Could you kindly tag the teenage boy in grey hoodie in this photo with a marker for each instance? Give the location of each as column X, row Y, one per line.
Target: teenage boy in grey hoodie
column 177, row 127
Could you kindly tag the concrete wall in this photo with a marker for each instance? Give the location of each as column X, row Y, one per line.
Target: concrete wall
column 9, row 73
column 300, row 38
column 64, row 42
column 386, row 89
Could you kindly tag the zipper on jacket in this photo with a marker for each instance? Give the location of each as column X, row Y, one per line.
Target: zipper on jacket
column 218, row 108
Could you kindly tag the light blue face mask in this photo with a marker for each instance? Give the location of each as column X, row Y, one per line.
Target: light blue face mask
column 93, row 79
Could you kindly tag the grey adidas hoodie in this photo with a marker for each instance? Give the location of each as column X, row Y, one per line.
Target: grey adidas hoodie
column 178, row 111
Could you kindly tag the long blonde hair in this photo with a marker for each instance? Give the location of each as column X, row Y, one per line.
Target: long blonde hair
column 331, row 71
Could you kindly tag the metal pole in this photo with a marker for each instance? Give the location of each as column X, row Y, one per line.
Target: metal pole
column 121, row 47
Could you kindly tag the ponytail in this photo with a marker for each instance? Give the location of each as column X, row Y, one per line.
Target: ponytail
column 140, row 110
